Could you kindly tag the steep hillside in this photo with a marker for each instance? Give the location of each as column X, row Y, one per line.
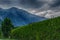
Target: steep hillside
column 45, row 30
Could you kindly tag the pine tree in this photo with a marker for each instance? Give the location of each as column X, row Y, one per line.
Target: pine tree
column 6, row 27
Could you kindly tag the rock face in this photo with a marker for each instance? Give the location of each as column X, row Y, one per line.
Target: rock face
column 19, row 17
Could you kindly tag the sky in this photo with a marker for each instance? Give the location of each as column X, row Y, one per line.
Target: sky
column 45, row 8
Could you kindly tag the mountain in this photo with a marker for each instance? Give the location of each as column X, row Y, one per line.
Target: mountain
column 19, row 16
column 44, row 30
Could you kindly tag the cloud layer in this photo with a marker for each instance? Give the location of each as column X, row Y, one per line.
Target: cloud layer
column 36, row 4
column 33, row 6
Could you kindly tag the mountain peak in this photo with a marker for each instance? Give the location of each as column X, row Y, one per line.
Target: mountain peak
column 19, row 17
column 13, row 8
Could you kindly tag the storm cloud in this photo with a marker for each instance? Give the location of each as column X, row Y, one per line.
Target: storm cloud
column 33, row 6
column 22, row 3
column 38, row 4
column 55, row 3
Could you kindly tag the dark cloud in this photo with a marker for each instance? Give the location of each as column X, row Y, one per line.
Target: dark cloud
column 5, row 2
column 22, row 3
column 56, row 3
column 31, row 3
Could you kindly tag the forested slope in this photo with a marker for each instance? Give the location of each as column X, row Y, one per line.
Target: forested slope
column 44, row 30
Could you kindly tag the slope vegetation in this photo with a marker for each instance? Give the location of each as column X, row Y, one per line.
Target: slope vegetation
column 44, row 30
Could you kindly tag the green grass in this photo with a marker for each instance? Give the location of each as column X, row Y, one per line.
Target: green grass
column 7, row 39
column 45, row 30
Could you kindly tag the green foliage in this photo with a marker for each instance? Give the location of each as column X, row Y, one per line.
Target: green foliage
column 6, row 27
column 0, row 34
column 45, row 30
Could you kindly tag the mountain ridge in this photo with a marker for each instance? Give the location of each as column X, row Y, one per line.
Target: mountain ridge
column 19, row 16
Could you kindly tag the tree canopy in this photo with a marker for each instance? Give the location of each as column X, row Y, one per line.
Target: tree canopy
column 7, row 26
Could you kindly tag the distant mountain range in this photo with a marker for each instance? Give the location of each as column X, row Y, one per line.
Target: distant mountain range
column 19, row 17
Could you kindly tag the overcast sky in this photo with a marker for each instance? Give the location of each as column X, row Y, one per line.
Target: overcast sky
column 34, row 6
